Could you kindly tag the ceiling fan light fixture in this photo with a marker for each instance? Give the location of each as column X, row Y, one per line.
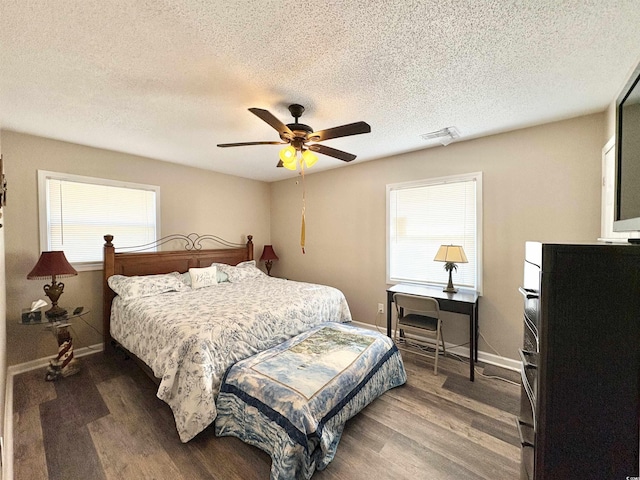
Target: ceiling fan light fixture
column 288, row 154
column 309, row 158
column 291, row 165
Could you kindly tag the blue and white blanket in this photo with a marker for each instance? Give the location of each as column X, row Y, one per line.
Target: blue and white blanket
column 190, row 338
column 293, row 400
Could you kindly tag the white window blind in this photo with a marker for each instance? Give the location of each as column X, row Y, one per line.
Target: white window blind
column 76, row 212
column 425, row 214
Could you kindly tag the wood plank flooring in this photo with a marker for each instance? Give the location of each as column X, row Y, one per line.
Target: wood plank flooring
column 105, row 423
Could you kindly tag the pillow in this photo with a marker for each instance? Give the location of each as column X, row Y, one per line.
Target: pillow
column 203, row 277
column 244, row 272
column 221, row 277
column 146, row 285
column 248, row 263
column 186, row 278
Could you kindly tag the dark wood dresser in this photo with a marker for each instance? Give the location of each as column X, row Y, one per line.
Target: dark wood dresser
column 580, row 399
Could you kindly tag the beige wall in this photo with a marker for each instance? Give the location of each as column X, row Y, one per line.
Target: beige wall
column 192, row 200
column 540, row 183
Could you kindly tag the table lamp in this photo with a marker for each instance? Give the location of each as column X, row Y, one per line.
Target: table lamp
column 268, row 256
column 450, row 254
column 53, row 264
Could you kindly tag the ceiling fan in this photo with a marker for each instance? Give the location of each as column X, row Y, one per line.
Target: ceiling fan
column 302, row 139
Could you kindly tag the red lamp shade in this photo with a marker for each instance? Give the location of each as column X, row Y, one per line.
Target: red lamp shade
column 53, row 264
column 268, row 256
column 268, row 253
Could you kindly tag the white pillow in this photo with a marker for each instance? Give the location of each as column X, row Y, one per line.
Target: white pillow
column 203, row 277
column 248, row 263
column 146, row 285
column 244, row 272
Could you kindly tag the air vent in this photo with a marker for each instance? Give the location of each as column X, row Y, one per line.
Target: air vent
column 445, row 136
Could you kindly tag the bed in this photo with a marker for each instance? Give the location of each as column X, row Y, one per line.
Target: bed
column 187, row 336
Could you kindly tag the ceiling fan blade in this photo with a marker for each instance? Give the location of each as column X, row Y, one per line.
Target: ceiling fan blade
column 332, row 152
column 250, row 143
column 268, row 117
column 342, row 131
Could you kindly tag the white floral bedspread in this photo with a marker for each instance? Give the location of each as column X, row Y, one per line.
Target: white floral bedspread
column 190, row 338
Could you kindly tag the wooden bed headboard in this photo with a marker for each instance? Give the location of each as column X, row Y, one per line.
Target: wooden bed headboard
column 139, row 261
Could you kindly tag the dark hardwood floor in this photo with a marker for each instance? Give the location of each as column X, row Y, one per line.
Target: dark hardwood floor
column 106, row 423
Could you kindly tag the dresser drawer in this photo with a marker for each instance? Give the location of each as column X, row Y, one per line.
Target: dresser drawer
column 531, row 307
column 529, row 374
column 531, row 342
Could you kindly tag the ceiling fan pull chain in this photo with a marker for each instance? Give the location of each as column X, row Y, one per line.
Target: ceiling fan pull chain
column 302, row 229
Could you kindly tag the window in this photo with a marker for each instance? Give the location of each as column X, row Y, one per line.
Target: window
column 425, row 214
column 76, row 212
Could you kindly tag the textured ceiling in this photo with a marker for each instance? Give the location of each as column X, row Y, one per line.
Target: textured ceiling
column 170, row 79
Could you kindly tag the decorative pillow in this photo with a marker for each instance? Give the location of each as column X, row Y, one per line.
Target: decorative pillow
column 222, row 271
column 203, row 277
column 222, row 276
column 186, row 278
column 146, row 285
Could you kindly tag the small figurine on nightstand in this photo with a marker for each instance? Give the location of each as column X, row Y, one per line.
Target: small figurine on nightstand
column 64, row 364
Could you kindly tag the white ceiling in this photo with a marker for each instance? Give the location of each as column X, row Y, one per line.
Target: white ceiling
column 170, row 79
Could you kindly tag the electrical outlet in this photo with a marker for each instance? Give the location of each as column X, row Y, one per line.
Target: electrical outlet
column 380, row 308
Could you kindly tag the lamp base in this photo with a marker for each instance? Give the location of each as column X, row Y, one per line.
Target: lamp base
column 54, row 291
column 449, row 288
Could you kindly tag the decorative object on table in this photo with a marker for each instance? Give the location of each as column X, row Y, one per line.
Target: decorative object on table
column 268, row 256
column 53, row 264
column 451, row 255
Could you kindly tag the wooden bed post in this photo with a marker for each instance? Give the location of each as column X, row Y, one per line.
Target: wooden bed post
column 107, row 295
column 250, row 247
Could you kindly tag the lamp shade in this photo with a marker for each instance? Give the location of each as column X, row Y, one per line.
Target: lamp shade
column 451, row 254
column 288, row 154
column 52, row 264
column 268, row 253
column 309, row 158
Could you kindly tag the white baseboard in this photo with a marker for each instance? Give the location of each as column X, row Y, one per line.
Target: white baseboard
column 485, row 357
column 13, row 370
column 43, row 362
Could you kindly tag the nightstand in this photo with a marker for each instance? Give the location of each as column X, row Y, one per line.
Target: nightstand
column 64, row 364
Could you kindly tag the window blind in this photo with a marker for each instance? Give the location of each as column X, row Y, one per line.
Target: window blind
column 79, row 213
column 424, row 215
